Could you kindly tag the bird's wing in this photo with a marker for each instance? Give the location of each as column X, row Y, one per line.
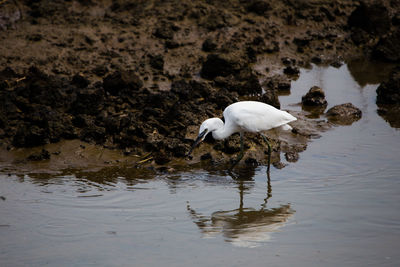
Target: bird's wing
column 255, row 116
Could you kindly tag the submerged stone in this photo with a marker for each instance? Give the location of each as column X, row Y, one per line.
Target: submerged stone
column 314, row 97
column 344, row 114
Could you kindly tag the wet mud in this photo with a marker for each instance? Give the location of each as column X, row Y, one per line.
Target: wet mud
column 136, row 78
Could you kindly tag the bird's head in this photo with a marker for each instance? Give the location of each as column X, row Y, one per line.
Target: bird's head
column 206, row 127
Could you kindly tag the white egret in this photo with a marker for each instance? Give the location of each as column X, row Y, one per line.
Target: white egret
column 245, row 116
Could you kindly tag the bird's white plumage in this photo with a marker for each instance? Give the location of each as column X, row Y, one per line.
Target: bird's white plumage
column 253, row 116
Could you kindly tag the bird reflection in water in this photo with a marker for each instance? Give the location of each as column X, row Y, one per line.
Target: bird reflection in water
column 244, row 227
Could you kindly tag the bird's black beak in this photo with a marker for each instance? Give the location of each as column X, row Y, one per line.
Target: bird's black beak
column 199, row 138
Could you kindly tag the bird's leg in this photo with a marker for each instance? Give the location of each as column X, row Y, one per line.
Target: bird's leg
column 269, row 151
column 240, row 156
column 269, row 191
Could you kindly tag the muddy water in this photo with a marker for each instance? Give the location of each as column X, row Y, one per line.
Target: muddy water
column 338, row 205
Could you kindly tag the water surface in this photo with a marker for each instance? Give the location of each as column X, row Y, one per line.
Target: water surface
column 338, row 205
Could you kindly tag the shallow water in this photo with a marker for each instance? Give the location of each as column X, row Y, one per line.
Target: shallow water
column 338, row 205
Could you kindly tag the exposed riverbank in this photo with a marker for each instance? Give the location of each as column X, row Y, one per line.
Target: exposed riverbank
column 137, row 78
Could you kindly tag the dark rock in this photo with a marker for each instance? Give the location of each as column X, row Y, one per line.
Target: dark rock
column 388, row 47
column 336, row 64
column 59, row 126
column 250, row 85
column 243, row 85
column 165, row 30
column 93, row 133
column 328, row 13
column 41, row 125
column 259, row 7
column 316, row 60
column 206, row 156
column 122, row 82
column 89, row 40
column 112, row 124
column 373, row 18
column 214, row 20
column 200, row 89
column 43, row 155
column 288, row 61
column 43, row 8
column 161, row 158
column 360, row 37
column 279, row 83
column 182, row 89
column 125, row 140
column 40, row 115
column 7, row 73
column 272, row 47
column 389, row 91
column 390, row 113
column 209, row 45
column 223, row 98
column 279, row 165
column 82, row 120
column 36, row 37
column 162, row 101
column 396, row 19
column 177, row 148
column 302, row 42
column 3, row 120
column 80, row 81
column 231, row 71
column 190, row 90
column 88, row 101
column 258, row 40
column 43, row 89
column 270, row 97
column 289, row 70
column 251, row 162
column 127, row 151
column 292, row 156
column 30, row 136
column 251, row 54
column 220, row 65
column 230, row 145
column 157, row 62
column 283, row 86
column 314, row 97
column 344, row 114
column 100, row 70
column 171, row 44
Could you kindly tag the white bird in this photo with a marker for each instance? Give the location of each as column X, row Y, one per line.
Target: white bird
column 245, row 116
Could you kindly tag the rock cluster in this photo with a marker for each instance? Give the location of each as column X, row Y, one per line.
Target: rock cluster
column 344, row 114
column 36, row 109
column 314, row 97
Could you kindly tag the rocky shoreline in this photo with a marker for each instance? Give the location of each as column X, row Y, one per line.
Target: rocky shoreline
column 139, row 77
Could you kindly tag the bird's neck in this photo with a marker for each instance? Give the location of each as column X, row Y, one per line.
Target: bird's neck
column 223, row 132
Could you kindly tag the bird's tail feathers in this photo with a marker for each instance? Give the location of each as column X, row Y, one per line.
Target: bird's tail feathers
column 286, row 127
